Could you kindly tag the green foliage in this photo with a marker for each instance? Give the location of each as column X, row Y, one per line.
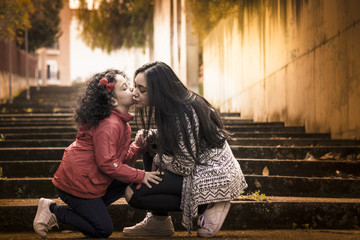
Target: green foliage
column 207, row 13
column 255, row 196
column 115, row 24
column 39, row 17
column 14, row 15
column 45, row 22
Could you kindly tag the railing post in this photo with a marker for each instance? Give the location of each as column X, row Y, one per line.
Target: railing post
column 27, row 65
column 10, row 71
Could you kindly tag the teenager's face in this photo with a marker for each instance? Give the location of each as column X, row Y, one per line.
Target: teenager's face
column 123, row 92
column 140, row 93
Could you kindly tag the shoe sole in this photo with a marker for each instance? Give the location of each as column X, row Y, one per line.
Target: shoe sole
column 223, row 216
column 165, row 234
column 40, row 206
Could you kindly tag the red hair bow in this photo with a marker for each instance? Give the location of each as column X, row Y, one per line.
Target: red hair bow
column 109, row 86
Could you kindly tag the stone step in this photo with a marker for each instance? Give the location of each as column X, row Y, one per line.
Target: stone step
column 300, row 168
column 267, row 152
column 32, row 109
column 36, row 136
column 293, row 142
column 275, row 213
column 36, row 143
column 32, row 116
column 296, row 152
column 47, row 140
column 55, row 133
column 269, row 185
column 266, row 127
column 237, row 129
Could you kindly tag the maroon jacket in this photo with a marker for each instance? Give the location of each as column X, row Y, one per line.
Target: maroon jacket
column 98, row 156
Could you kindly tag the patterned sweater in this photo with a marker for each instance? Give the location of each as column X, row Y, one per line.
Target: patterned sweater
column 218, row 178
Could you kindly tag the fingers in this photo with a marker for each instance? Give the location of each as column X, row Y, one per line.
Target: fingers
column 151, row 177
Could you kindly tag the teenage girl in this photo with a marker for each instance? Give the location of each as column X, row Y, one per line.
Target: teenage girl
column 201, row 174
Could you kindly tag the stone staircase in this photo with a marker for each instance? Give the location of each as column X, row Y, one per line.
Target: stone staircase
column 309, row 179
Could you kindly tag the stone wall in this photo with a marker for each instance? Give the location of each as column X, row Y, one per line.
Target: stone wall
column 293, row 61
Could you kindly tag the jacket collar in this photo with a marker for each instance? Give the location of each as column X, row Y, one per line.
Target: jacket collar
column 126, row 117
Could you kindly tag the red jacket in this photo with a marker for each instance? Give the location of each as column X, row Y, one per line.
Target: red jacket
column 98, row 156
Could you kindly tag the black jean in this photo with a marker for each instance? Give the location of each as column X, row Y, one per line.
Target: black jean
column 89, row 216
column 161, row 198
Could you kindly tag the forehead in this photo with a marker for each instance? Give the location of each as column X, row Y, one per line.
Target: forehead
column 120, row 79
column 140, row 79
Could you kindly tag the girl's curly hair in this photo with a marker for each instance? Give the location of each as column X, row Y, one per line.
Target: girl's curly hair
column 95, row 103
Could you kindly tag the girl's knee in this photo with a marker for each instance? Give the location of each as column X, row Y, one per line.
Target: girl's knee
column 105, row 232
column 128, row 193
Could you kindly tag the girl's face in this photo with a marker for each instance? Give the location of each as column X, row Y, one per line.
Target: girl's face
column 140, row 93
column 123, row 93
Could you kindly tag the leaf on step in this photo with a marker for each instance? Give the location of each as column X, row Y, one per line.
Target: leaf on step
column 309, row 157
column 331, row 155
column 265, row 171
column 28, row 110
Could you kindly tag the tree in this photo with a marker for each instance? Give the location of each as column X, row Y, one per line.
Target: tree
column 116, row 23
column 45, row 21
column 14, row 16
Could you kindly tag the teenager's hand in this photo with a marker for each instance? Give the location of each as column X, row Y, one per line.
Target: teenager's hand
column 140, row 138
column 151, row 177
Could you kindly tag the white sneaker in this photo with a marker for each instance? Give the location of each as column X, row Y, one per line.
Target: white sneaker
column 212, row 219
column 44, row 219
column 151, row 226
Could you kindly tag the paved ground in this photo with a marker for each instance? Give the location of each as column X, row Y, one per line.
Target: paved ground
column 224, row 235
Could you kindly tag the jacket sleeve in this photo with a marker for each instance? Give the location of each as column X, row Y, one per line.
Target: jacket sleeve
column 104, row 138
column 184, row 163
column 134, row 153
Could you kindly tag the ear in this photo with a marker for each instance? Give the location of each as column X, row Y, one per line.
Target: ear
column 114, row 102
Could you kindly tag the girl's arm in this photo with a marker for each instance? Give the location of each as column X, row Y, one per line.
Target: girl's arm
column 104, row 140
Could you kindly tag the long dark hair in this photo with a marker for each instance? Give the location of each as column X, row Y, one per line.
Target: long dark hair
column 171, row 102
column 95, row 103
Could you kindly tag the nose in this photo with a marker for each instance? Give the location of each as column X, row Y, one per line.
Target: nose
column 135, row 92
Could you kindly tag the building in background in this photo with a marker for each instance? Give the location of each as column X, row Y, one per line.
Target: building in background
column 54, row 62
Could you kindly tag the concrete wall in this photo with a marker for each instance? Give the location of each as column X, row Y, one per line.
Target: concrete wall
column 174, row 41
column 18, row 69
column 293, row 61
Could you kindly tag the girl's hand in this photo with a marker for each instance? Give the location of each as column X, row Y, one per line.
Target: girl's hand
column 140, row 138
column 151, row 177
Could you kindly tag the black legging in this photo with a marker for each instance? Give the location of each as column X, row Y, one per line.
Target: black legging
column 161, row 198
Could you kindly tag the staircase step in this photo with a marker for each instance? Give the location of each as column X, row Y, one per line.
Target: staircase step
column 276, row 213
column 294, row 152
column 36, row 143
column 289, row 135
column 36, row 136
column 293, row 142
column 267, row 152
column 300, row 168
column 32, row 116
column 32, row 109
column 264, row 129
column 47, row 140
column 270, row 185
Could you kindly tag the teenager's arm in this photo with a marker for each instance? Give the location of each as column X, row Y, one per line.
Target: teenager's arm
column 184, row 163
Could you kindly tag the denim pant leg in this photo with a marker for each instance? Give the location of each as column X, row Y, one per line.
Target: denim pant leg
column 115, row 191
column 89, row 216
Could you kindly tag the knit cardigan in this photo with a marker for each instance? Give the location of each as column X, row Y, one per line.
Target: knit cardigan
column 217, row 178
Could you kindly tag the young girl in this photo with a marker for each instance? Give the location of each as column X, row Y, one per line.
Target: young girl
column 200, row 170
column 94, row 170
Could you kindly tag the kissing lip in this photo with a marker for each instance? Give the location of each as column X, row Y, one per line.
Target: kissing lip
column 136, row 101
